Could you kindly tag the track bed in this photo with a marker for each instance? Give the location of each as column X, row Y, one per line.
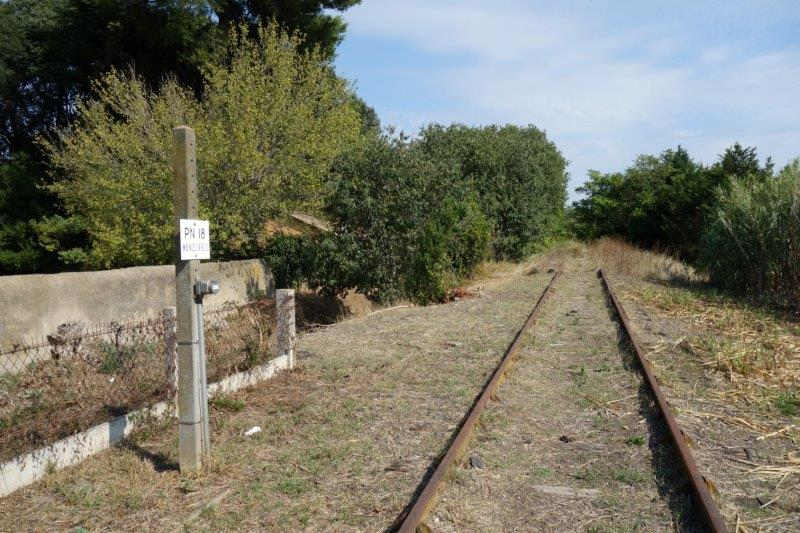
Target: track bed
column 574, row 442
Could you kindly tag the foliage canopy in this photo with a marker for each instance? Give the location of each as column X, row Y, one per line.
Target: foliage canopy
column 518, row 174
column 53, row 51
column 735, row 220
column 271, row 121
column 752, row 242
column 413, row 218
column 407, row 225
column 661, row 201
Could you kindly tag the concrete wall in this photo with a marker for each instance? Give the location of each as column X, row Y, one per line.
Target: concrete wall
column 33, row 306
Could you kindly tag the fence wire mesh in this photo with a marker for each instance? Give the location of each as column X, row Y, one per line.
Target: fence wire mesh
column 81, row 376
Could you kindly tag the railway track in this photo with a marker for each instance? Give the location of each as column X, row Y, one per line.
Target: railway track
column 413, row 517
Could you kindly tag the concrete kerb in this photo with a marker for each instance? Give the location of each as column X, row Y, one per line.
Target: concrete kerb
column 33, row 466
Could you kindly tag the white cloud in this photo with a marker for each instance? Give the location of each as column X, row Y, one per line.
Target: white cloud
column 715, row 54
column 604, row 92
column 484, row 29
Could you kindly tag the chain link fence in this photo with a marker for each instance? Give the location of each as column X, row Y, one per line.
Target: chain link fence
column 80, row 376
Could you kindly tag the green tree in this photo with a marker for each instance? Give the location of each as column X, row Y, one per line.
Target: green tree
column 19, row 249
column 660, row 201
column 53, row 50
column 271, row 121
column 370, row 123
column 740, row 162
column 312, row 18
column 407, row 225
column 519, row 176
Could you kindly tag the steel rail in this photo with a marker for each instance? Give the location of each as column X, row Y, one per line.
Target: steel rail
column 411, row 518
column 697, row 480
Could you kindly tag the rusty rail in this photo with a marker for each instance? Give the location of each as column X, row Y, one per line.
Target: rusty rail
column 411, row 518
column 697, row 480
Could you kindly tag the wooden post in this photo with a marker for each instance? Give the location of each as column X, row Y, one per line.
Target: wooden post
column 190, row 410
column 170, row 352
column 285, row 331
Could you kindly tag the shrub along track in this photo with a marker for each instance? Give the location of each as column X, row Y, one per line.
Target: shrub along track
column 598, row 463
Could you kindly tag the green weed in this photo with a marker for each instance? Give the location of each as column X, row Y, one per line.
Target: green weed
column 227, row 403
column 117, row 358
column 587, row 474
column 628, row 476
column 79, row 495
column 9, row 382
column 542, row 472
column 788, row 403
column 579, row 377
column 292, row 486
column 252, row 349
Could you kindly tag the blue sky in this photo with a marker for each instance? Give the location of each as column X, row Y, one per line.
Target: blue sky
column 607, row 80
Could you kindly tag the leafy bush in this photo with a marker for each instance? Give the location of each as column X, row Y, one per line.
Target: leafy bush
column 660, row 201
column 519, row 177
column 271, row 121
column 407, row 225
column 119, row 357
column 291, row 259
column 752, row 244
column 21, row 202
column 414, row 217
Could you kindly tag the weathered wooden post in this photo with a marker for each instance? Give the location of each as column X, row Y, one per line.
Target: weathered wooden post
column 170, row 352
column 190, row 410
column 285, row 331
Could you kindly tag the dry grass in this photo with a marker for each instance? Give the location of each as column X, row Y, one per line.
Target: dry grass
column 731, row 371
column 622, row 258
column 565, row 446
column 555, row 257
column 748, row 345
column 345, row 440
column 104, row 378
column 757, row 349
column 494, row 270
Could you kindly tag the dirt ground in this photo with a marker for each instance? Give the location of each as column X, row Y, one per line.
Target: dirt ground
column 345, row 439
column 744, row 439
column 571, row 442
column 574, row 443
column 731, row 372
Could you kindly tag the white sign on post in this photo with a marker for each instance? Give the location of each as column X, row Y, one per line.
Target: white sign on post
column 195, row 239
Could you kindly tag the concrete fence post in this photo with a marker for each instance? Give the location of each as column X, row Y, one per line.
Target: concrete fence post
column 190, row 372
column 170, row 352
column 285, row 334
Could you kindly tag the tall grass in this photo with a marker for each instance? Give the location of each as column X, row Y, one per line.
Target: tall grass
column 752, row 244
column 621, row 257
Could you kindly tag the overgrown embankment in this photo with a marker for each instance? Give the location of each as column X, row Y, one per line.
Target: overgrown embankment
column 737, row 220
